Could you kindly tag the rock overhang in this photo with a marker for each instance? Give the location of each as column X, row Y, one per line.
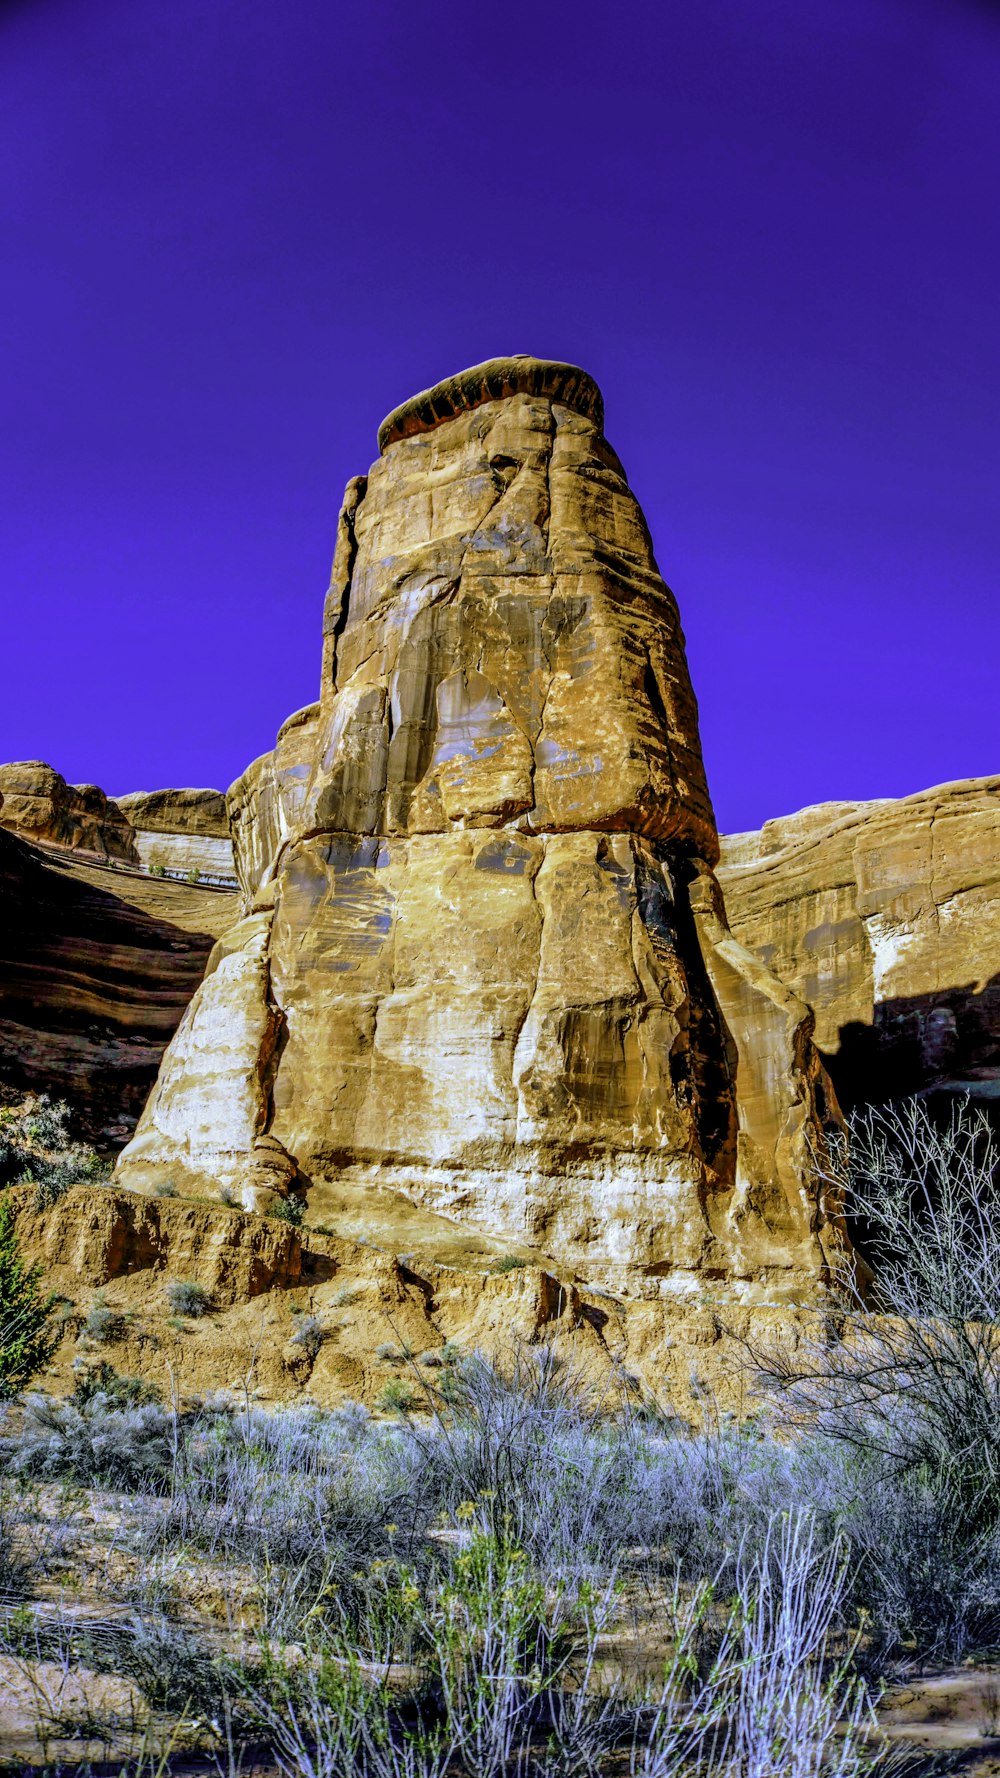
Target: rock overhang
column 496, row 380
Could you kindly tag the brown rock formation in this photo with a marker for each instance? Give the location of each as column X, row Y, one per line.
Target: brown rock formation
column 885, row 916
column 469, row 973
column 100, row 1234
column 96, row 968
column 37, row 803
column 372, row 1306
column 182, row 831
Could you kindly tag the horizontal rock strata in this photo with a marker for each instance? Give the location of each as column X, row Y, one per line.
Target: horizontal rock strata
column 885, row 917
column 182, row 832
column 97, row 966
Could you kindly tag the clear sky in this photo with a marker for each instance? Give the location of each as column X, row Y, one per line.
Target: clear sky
column 235, row 233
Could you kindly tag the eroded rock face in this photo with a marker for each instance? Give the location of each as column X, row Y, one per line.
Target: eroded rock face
column 185, row 832
column 37, row 802
column 471, row 971
column 96, row 968
column 885, row 916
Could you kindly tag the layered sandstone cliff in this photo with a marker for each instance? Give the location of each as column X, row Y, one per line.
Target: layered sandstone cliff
column 885, row 917
column 37, row 803
column 484, row 967
column 97, row 966
column 182, row 832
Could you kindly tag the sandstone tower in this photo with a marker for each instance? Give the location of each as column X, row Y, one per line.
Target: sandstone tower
column 484, row 962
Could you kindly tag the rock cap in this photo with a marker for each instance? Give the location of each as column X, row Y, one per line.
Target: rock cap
column 495, row 380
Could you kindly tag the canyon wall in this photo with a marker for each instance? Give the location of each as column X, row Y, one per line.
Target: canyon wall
column 885, row 917
column 484, row 967
column 97, row 965
column 182, row 832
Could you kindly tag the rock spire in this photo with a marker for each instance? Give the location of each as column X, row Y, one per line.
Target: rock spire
column 484, row 966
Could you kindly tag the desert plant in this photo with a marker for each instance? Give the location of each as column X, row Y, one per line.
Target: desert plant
column 309, row 1334
column 103, row 1323
column 36, row 1149
column 118, row 1390
column 396, row 1397
column 913, row 1373
column 290, row 1210
column 29, row 1329
column 510, row 1263
column 187, row 1297
column 94, row 1440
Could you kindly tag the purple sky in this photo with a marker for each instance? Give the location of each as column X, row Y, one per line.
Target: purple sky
column 235, row 234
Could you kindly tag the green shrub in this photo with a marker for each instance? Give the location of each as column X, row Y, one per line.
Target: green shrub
column 510, row 1263
column 36, row 1149
column 290, row 1210
column 118, row 1391
column 396, row 1397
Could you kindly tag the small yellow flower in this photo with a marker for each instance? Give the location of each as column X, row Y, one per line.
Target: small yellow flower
column 391, row 1530
column 465, row 1510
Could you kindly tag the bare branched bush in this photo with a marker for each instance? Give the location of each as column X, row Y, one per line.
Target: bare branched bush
column 913, row 1372
column 907, row 1370
column 36, row 1148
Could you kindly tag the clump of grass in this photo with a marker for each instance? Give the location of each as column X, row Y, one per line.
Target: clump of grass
column 510, row 1263
column 187, row 1297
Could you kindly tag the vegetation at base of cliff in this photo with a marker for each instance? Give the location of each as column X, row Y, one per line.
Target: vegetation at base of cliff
column 29, row 1334
column 36, row 1148
column 529, row 1578
column 526, row 1581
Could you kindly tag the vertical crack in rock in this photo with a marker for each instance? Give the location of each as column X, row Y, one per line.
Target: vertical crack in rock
column 337, row 599
column 478, row 975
